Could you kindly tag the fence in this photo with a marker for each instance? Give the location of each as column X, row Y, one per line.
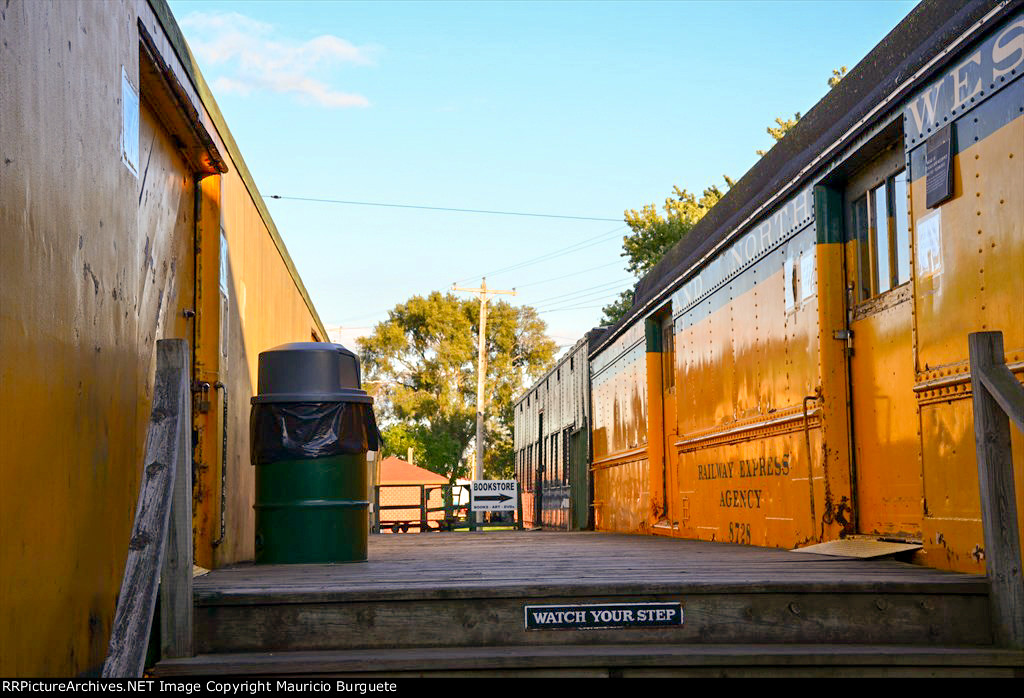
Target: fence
column 401, row 508
column 998, row 398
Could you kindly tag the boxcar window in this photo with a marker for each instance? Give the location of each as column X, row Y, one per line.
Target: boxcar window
column 879, row 220
column 860, row 233
column 902, row 237
column 880, row 237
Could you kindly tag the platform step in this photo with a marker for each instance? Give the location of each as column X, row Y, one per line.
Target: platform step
column 890, row 614
column 455, row 590
column 740, row 660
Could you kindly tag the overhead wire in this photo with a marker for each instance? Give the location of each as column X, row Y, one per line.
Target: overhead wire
column 593, row 295
column 603, row 286
column 575, row 247
column 566, row 276
column 437, row 208
column 575, row 307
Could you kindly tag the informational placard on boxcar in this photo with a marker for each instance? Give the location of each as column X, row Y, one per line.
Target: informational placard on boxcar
column 605, row 615
column 938, row 160
column 494, row 495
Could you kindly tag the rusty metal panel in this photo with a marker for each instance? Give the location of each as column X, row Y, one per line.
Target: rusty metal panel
column 621, row 496
column 752, row 487
column 750, row 467
column 976, row 283
column 74, row 365
column 968, row 256
column 887, row 443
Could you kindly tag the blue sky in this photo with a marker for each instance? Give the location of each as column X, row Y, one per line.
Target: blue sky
column 569, row 108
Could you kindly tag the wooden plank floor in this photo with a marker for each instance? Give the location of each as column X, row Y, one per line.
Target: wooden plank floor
column 515, row 563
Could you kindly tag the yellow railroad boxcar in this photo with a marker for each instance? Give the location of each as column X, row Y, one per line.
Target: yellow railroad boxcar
column 796, row 370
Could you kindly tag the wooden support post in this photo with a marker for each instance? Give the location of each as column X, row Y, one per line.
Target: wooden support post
column 519, row 507
column 995, row 479
column 169, row 430
column 423, row 508
column 376, row 508
column 176, row 576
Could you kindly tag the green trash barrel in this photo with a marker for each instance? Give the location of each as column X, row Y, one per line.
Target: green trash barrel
column 310, row 428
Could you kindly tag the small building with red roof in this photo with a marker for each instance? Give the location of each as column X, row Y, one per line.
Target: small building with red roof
column 403, row 484
column 395, row 471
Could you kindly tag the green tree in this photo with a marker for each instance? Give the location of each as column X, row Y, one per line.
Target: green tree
column 785, row 125
column 420, row 364
column 653, row 232
column 617, row 309
column 837, row 75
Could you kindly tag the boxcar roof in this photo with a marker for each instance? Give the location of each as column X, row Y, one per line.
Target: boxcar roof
column 915, row 41
column 170, row 26
column 592, row 337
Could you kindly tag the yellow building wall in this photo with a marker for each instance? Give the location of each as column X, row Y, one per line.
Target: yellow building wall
column 265, row 310
column 78, row 305
column 97, row 264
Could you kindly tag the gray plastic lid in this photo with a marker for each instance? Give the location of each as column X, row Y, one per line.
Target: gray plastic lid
column 309, row 372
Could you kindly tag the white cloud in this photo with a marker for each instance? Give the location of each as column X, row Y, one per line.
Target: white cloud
column 250, row 57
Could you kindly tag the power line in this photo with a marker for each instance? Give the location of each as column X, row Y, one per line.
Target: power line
column 606, row 285
column 575, row 307
column 566, row 276
column 438, row 208
column 583, row 244
column 575, row 247
column 588, row 298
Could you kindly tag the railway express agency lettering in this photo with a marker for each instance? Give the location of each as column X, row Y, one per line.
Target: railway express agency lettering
column 755, row 467
column 743, row 497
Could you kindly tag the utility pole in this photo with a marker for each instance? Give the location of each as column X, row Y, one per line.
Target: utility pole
column 483, row 292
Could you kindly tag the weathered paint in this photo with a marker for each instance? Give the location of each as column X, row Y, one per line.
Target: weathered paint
column 73, row 363
column 622, row 495
column 889, row 496
column 97, row 264
column 657, row 402
column 208, row 415
column 562, row 395
column 747, row 448
column 772, row 390
column 621, row 467
column 979, row 287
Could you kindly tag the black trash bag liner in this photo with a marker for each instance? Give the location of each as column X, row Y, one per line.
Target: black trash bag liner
column 289, row 430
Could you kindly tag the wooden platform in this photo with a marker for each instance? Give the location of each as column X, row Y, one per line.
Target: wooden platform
column 455, row 603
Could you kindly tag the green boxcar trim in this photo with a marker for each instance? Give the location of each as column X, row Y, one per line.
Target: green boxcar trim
column 828, row 215
column 652, row 333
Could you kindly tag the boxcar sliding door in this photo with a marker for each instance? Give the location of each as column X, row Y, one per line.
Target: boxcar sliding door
column 885, row 441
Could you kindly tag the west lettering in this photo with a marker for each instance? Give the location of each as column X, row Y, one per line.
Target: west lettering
column 929, row 100
column 1008, row 50
column 961, row 80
